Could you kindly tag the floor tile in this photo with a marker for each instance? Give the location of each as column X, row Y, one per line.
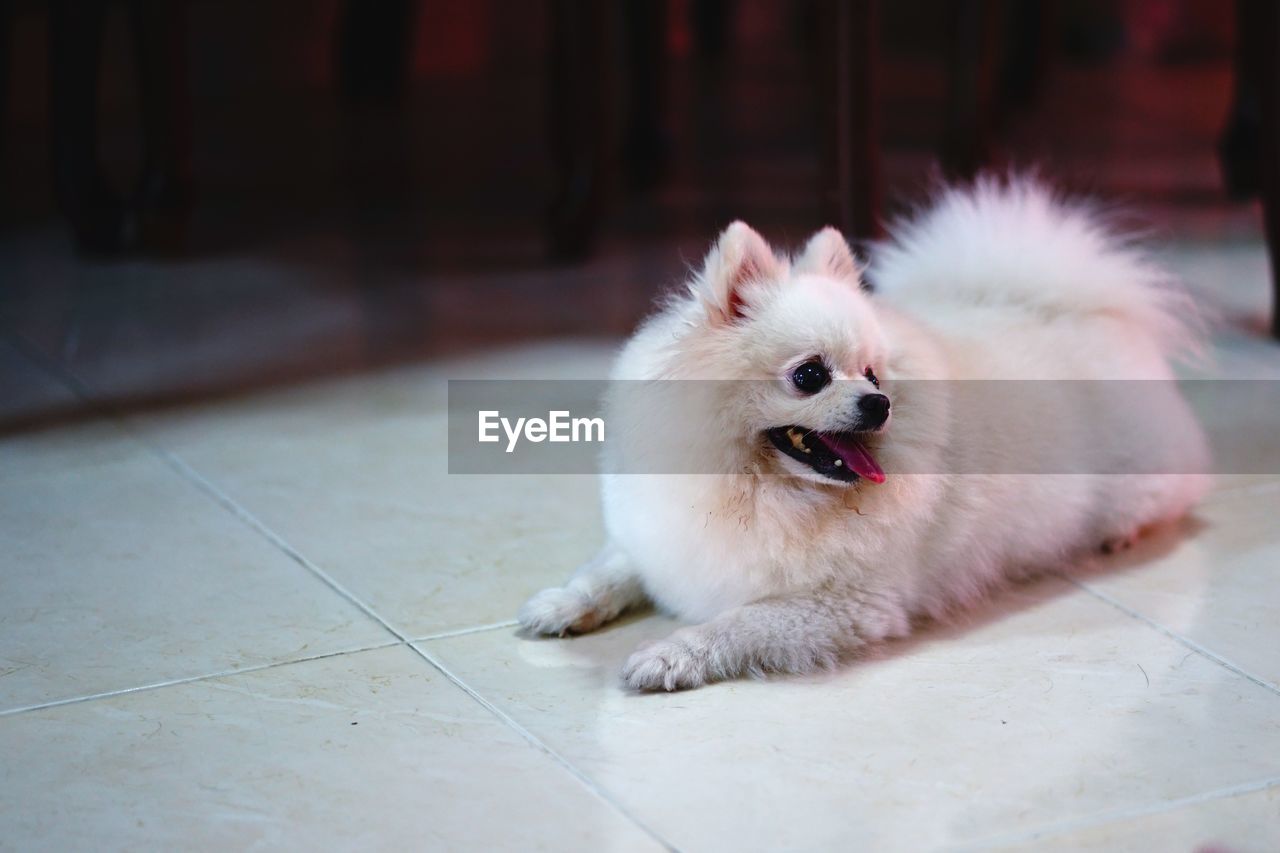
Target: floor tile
column 1243, row 484
column 1227, row 275
column 1238, row 416
column 1217, row 586
column 81, row 445
column 144, row 334
column 1050, row 707
column 1237, row 354
column 355, row 474
column 374, row 750
column 27, row 394
column 118, row 572
column 141, row 331
column 1235, row 823
column 44, row 426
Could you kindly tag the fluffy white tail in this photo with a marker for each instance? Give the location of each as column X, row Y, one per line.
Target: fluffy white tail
column 1013, row 241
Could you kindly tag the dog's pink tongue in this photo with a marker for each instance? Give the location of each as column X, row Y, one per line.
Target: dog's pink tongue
column 854, row 455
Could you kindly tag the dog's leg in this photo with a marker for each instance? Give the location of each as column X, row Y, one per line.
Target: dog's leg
column 800, row 633
column 599, row 591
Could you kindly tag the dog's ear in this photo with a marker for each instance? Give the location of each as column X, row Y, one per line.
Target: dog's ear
column 828, row 254
column 739, row 258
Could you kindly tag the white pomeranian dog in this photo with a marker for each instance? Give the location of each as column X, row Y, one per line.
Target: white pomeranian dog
column 852, row 496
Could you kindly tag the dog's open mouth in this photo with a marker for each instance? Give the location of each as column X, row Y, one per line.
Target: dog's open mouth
column 839, row 455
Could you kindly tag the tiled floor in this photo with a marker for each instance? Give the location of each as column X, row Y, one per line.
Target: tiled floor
column 272, row 618
column 243, row 605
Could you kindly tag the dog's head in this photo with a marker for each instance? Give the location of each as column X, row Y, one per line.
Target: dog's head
column 805, row 337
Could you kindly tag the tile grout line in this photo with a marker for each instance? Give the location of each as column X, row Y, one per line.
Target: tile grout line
column 195, row 478
column 1176, row 637
column 203, row 484
column 500, row 715
column 541, row 745
column 462, row 632
column 1106, row 818
column 223, row 673
column 497, row 713
column 191, row 679
column 224, row 500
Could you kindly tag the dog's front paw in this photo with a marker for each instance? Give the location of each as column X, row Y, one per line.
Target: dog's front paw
column 665, row 665
column 559, row 611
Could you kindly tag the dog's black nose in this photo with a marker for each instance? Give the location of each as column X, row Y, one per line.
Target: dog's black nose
column 873, row 410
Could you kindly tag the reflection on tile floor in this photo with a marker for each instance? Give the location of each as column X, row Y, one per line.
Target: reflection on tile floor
column 118, row 575
column 271, row 617
column 1055, row 708
column 372, row 749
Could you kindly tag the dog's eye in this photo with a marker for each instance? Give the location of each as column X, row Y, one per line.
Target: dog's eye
column 811, row 377
column 871, row 377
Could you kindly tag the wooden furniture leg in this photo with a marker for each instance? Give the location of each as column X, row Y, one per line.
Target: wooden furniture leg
column 851, row 154
column 164, row 193
column 1257, row 39
column 975, row 36
column 99, row 219
column 577, row 115
column 1269, row 111
column 645, row 148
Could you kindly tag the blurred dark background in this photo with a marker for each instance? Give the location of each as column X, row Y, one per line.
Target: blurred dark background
column 240, row 194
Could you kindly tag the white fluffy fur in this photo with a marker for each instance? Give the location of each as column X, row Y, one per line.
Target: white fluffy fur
column 780, row 569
